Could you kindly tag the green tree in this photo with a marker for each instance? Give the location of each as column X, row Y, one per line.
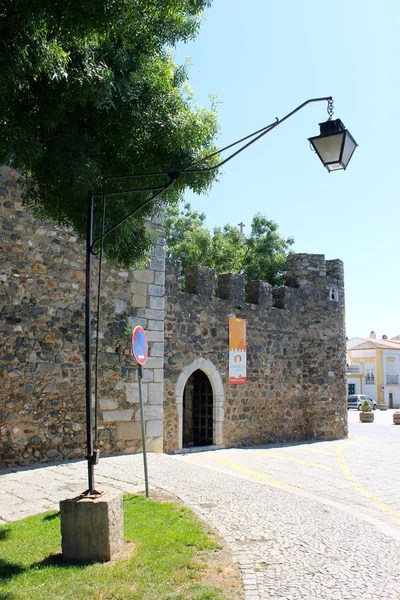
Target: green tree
column 90, row 88
column 261, row 255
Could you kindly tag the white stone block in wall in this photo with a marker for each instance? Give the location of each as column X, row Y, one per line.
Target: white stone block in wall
column 155, row 326
column 206, row 365
column 155, row 362
column 139, row 301
column 158, row 264
column 129, row 430
column 154, row 444
column 117, row 415
column 159, row 250
column 156, row 393
column 154, row 428
column 159, row 278
column 133, row 321
column 157, row 303
column 138, row 288
column 143, row 276
column 158, row 375
column 151, row 413
column 218, row 436
column 132, row 392
column 147, row 313
column 157, row 349
column 108, row 404
column 148, row 375
column 155, row 336
column 218, row 413
column 157, row 290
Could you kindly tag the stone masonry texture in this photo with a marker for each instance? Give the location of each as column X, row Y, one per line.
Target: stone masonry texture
column 295, row 389
column 42, row 294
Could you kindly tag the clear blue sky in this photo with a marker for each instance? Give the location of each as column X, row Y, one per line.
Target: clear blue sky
column 264, row 58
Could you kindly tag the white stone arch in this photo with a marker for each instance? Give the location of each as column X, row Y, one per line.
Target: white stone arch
column 211, row 371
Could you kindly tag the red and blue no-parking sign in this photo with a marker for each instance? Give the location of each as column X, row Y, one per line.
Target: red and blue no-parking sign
column 139, row 345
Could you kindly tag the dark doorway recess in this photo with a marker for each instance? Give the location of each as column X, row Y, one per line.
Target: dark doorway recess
column 351, row 388
column 197, row 411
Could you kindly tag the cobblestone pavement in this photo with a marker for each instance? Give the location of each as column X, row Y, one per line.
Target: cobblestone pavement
column 305, row 521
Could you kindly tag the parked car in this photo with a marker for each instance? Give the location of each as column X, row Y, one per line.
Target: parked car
column 357, row 400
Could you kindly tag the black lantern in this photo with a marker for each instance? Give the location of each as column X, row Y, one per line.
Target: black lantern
column 334, row 146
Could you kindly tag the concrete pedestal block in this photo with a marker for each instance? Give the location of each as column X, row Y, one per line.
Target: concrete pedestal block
column 92, row 529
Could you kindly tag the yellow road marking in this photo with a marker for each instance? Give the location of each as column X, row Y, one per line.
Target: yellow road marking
column 255, row 474
column 272, row 454
column 360, row 488
column 343, row 466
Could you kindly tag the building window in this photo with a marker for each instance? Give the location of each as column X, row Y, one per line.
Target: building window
column 369, row 375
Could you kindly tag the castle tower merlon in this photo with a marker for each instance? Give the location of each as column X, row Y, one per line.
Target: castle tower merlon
column 230, row 286
column 259, row 292
column 284, row 297
column 200, row 280
column 335, row 269
column 304, row 269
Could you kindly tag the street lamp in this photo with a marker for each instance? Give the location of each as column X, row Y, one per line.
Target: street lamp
column 326, row 145
column 335, row 145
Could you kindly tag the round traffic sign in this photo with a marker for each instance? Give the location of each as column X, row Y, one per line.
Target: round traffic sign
column 139, row 345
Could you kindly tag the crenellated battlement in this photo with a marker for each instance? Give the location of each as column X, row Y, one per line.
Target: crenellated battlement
column 295, row 352
column 308, row 276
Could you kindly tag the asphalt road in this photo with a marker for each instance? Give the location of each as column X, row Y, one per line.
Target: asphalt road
column 314, row 520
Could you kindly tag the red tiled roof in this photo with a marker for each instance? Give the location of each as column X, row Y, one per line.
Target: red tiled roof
column 378, row 344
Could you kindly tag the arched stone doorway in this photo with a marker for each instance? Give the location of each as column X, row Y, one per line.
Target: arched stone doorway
column 210, row 371
column 197, row 411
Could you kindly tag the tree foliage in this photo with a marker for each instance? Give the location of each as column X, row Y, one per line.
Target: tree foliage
column 261, row 255
column 90, row 88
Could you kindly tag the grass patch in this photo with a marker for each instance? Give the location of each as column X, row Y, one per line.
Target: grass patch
column 171, row 554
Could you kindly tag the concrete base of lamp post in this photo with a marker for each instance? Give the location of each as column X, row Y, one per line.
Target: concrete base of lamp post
column 92, row 528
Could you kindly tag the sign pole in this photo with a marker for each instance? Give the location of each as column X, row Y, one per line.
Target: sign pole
column 140, row 351
column 146, row 479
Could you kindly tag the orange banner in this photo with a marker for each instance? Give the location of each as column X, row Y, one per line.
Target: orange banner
column 237, row 350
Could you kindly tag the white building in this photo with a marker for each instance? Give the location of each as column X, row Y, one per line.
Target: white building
column 373, row 368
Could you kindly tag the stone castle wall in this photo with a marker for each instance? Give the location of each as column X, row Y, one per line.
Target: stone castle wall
column 42, row 293
column 295, row 387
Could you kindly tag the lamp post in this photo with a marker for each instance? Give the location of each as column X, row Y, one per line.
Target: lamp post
column 334, row 147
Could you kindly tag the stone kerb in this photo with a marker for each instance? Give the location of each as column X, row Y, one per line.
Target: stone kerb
column 205, row 365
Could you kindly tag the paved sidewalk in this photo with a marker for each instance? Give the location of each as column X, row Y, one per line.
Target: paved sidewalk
column 305, row 521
